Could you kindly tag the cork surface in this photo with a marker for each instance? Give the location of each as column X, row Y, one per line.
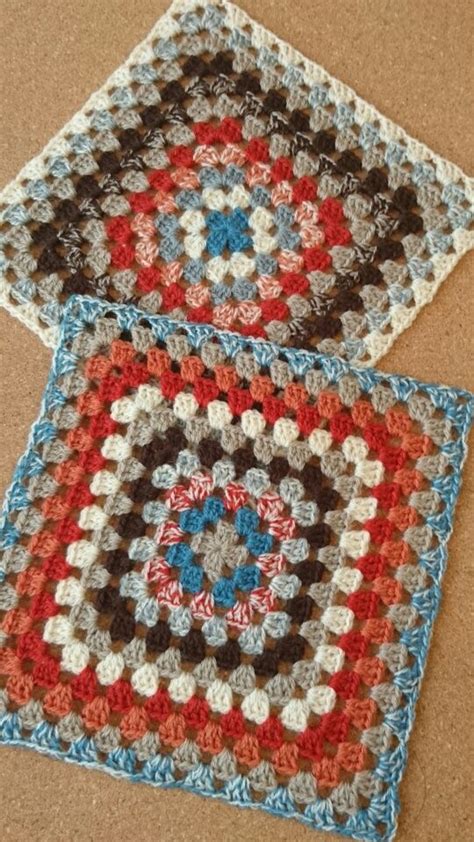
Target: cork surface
column 412, row 61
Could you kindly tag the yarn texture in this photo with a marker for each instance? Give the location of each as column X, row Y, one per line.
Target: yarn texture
column 221, row 562
column 221, row 178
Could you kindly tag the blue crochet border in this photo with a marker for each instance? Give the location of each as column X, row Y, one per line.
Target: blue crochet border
column 457, row 406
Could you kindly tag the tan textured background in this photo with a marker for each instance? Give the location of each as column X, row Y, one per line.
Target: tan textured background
column 413, row 61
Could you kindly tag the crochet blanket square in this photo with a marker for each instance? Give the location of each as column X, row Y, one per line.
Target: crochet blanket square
column 221, row 177
column 221, row 564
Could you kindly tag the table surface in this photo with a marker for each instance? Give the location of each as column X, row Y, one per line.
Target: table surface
column 412, row 61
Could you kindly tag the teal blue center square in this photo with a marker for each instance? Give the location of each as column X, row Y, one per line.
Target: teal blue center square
column 227, row 231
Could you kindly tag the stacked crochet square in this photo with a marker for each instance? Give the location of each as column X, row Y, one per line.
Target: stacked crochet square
column 222, row 178
column 221, row 563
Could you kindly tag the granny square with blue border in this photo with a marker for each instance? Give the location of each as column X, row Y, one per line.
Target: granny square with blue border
column 221, row 561
column 221, row 178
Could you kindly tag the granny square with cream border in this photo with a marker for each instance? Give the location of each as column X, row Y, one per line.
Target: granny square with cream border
column 222, row 178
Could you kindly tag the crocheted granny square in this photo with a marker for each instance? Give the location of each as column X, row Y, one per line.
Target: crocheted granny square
column 221, row 564
column 221, row 177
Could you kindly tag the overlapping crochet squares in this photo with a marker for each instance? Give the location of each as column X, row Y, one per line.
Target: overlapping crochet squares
column 222, row 178
column 222, row 551
column 221, row 561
